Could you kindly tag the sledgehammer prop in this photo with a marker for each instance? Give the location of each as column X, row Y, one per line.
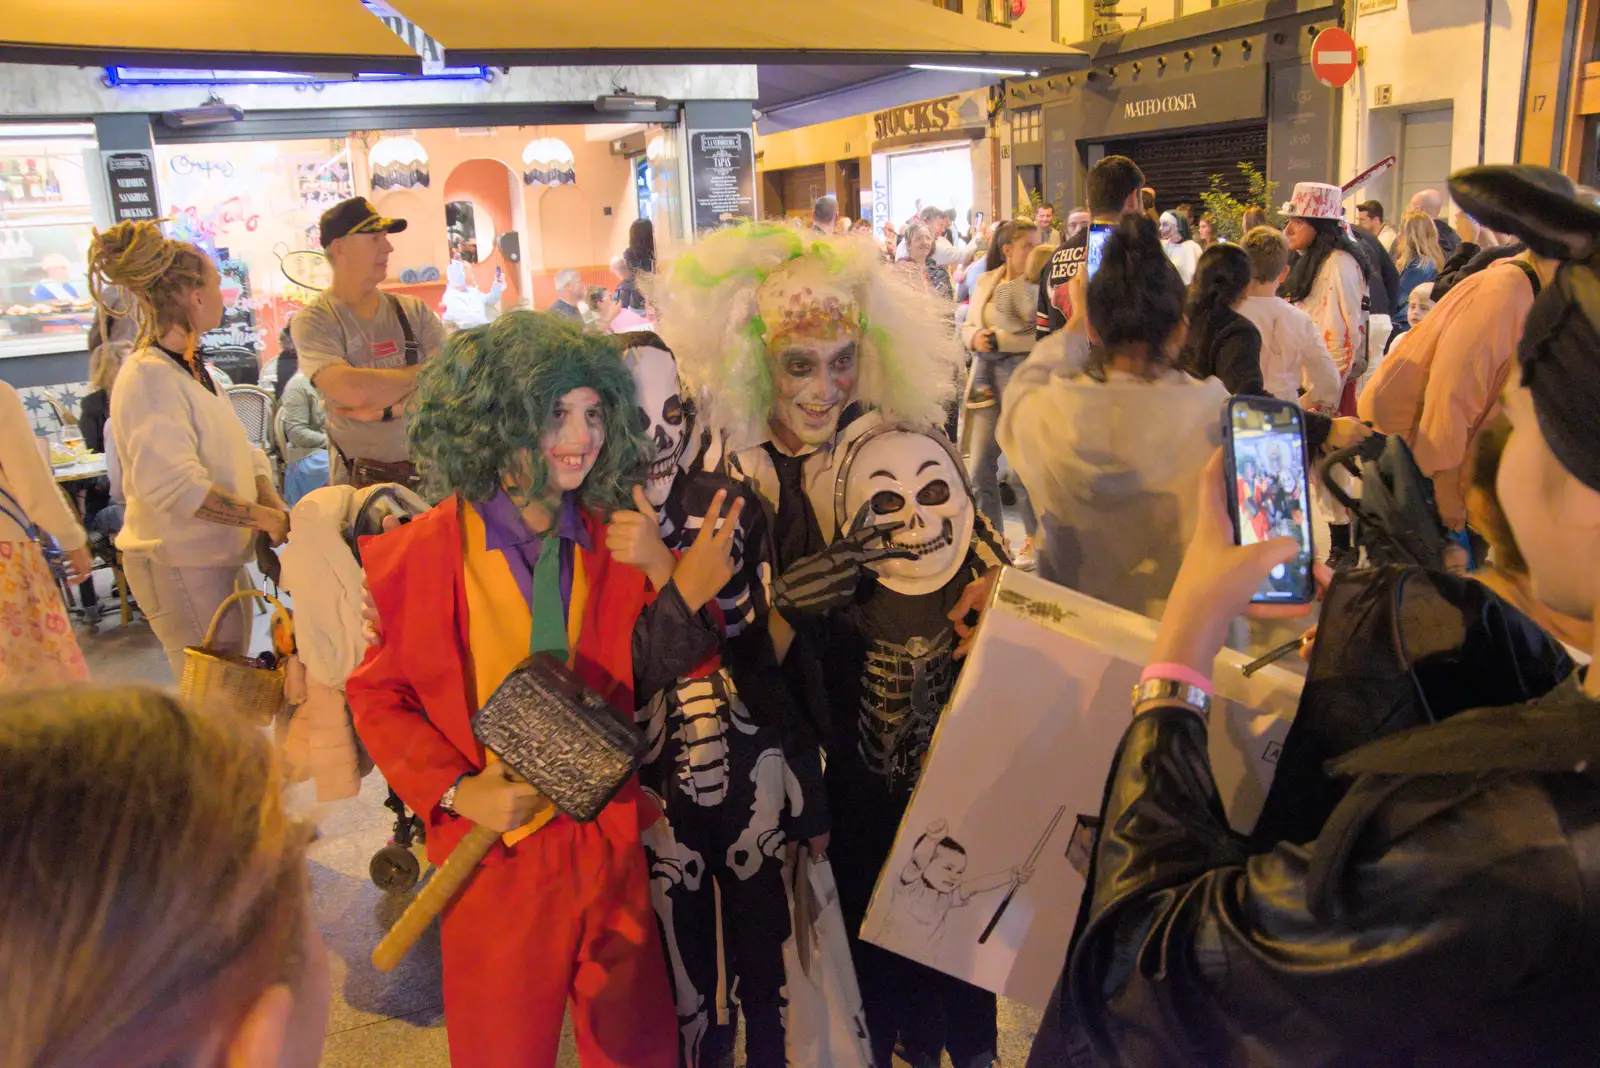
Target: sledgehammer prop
column 555, row 734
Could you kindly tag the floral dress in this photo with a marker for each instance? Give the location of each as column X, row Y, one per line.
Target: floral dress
column 37, row 646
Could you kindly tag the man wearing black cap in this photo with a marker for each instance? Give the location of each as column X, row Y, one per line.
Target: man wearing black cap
column 362, row 348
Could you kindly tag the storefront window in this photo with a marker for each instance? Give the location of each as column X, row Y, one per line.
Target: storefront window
column 45, row 228
column 249, row 205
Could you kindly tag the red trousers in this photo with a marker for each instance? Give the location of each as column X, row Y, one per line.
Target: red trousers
column 563, row 915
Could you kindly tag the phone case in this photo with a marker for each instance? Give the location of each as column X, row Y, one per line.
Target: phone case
column 1308, row 590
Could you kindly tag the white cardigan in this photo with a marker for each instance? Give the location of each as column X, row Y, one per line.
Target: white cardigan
column 26, row 475
column 176, row 440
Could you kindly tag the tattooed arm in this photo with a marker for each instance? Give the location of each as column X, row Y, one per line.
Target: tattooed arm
column 230, row 510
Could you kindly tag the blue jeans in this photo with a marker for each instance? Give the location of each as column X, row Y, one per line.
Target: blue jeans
column 303, row 476
column 983, row 465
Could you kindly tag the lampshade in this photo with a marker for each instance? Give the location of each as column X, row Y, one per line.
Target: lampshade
column 548, row 161
column 398, row 163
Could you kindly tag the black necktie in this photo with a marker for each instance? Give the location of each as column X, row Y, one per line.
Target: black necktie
column 795, row 531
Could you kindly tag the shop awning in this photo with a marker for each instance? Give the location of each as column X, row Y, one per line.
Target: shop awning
column 315, row 36
column 872, row 33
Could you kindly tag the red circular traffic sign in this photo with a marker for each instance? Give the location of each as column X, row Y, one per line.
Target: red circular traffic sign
column 1333, row 57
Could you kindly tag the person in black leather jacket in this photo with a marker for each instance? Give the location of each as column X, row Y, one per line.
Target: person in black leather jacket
column 1449, row 912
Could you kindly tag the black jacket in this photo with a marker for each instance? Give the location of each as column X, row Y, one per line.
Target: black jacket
column 1383, row 279
column 1231, row 351
column 1448, row 914
column 1449, row 240
column 1468, row 261
column 93, row 412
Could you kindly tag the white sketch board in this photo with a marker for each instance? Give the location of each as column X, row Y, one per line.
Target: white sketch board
column 1030, row 730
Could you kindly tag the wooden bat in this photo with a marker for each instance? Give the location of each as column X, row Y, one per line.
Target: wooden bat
column 1016, row 884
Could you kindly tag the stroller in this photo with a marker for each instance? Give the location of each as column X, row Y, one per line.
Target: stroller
column 321, row 570
column 1395, row 520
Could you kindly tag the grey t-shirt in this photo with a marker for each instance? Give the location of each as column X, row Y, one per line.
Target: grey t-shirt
column 328, row 333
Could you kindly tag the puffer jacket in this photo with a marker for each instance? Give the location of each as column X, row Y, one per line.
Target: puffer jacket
column 1448, row 916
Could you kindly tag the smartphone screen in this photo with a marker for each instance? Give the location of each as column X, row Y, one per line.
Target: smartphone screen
column 1098, row 233
column 1267, row 476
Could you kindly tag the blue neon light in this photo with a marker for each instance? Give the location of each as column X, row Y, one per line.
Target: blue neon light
column 151, row 76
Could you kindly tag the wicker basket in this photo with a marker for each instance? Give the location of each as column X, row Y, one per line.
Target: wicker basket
column 234, row 682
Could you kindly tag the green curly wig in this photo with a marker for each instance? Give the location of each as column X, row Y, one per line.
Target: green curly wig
column 490, row 394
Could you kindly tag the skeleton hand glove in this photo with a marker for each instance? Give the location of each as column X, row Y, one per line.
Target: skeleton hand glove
column 816, row 585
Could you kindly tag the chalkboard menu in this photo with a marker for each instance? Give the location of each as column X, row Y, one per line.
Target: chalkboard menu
column 131, row 181
column 722, row 177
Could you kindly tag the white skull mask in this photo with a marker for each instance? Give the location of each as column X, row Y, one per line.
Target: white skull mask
column 662, row 417
column 906, row 476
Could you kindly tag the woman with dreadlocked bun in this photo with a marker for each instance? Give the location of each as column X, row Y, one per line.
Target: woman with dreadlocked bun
column 197, row 489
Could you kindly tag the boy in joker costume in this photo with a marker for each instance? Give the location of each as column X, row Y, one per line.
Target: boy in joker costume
column 734, row 781
column 828, row 372
column 527, row 429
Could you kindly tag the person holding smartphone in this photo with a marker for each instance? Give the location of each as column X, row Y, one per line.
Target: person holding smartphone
column 1449, row 911
column 1113, row 185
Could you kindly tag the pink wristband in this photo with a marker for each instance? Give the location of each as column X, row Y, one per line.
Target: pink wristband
column 1179, row 673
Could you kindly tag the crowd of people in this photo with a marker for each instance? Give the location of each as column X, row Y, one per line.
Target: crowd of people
column 762, row 526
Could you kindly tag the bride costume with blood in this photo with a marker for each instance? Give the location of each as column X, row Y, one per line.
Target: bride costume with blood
column 802, row 346
column 720, row 761
column 559, row 912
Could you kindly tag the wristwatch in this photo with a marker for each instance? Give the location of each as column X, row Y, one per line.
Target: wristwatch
column 447, row 803
column 1172, row 692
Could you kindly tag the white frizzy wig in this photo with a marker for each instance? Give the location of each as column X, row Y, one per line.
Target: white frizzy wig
column 709, row 303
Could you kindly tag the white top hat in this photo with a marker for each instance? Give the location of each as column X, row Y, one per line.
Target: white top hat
column 1315, row 200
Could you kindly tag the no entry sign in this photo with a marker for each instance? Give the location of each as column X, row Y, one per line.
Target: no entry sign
column 1333, row 57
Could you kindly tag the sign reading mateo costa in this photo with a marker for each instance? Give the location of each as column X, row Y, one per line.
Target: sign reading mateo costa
column 1159, row 105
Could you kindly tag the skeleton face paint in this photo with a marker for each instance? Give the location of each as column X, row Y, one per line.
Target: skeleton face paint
column 661, row 416
column 812, row 381
column 908, row 477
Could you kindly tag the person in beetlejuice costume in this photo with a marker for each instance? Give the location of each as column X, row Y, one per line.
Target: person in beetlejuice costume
column 807, row 353
column 734, row 769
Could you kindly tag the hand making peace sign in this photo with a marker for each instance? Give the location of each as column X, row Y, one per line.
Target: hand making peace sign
column 708, row 564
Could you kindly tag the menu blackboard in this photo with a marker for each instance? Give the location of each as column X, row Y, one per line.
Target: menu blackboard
column 131, row 181
column 722, row 177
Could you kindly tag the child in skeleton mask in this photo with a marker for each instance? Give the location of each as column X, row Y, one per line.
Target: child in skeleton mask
column 735, row 784
column 901, row 493
column 526, row 428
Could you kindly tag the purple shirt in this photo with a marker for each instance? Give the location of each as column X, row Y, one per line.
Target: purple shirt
column 505, row 531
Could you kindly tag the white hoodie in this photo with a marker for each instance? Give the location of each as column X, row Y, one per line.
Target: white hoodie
column 1111, row 467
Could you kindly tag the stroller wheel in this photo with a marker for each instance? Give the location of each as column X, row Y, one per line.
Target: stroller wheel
column 394, row 869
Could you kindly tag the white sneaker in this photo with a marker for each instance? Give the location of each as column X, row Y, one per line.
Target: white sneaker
column 1023, row 559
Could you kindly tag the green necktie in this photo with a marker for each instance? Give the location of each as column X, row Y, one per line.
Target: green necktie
column 549, row 634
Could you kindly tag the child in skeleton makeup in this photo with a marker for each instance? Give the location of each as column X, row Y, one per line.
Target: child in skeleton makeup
column 901, row 493
column 732, row 767
column 527, row 428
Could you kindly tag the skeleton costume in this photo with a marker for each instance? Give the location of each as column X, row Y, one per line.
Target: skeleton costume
column 889, row 673
column 735, row 782
column 791, row 337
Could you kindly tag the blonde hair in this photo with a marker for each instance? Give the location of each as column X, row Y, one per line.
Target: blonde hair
column 105, row 363
column 1036, row 262
column 154, row 272
column 1268, row 250
column 154, row 888
column 1418, row 240
column 708, row 313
